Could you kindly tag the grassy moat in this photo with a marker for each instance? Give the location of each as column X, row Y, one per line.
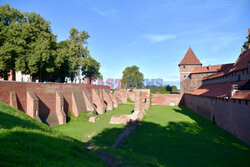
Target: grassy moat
column 167, row 136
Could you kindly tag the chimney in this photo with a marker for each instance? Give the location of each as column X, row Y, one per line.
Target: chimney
column 248, row 31
column 235, row 88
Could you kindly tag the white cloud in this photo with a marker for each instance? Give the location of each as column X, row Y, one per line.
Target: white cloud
column 156, row 38
column 104, row 13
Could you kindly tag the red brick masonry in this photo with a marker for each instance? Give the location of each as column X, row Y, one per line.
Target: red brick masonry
column 50, row 101
column 166, row 99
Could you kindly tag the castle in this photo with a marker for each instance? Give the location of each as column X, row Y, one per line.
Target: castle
column 194, row 76
column 220, row 93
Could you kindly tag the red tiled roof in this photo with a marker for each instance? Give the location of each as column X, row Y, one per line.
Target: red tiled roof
column 240, row 64
column 190, row 59
column 225, row 70
column 242, row 94
column 242, row 61
column 220, row 90
column 213, row 68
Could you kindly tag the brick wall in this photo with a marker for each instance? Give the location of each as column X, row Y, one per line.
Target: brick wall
column 231, row 115
column 166, row 99
column 234, row 76
column 46, row 94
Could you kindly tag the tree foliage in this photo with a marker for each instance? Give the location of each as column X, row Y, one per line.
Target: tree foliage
column 132, row 77
column 166, row 89
column 27, row 44
column 247, row 43
column 90, row 68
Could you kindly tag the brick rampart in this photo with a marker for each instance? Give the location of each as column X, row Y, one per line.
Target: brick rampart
column 229, row 114
column 166, row 99
column 46, row 95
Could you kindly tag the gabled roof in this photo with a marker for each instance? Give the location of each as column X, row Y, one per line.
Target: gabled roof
column 240, row 64
column 211, row 68
column 222, row 90
column 190, row 59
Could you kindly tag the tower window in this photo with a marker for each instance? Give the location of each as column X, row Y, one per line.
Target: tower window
column 184, row 67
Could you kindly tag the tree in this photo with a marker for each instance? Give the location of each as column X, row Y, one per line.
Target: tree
column 247, row 43
column 26, row 43
column 70, row 54
column 132, row 77
column 169, row 88
column 41, row 44
column 11, row 45
column 90, row 68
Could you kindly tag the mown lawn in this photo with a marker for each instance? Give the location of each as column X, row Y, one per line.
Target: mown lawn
column 27, row 142
column 167, row 136
column 83, row 130
column 177, row 136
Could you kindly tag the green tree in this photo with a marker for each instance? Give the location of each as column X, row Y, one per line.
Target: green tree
column 247, row 43
column 26, row 43
column 70, row 54
column 132, row 77
column 11, row 44
column 90, row 68
column 41, row 44
column 168, row 88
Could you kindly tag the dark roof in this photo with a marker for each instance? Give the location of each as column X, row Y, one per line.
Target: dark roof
column 221, row 90
column 213, row 68
column 190, row 59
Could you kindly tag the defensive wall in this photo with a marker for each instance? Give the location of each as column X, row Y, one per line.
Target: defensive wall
column 124, row 94
column 166, row 99
column 232, row 115
column 49, row 102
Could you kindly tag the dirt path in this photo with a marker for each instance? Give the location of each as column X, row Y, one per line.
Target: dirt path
column 103, row 155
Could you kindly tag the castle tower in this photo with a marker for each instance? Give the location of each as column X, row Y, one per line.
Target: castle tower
column 188, row 63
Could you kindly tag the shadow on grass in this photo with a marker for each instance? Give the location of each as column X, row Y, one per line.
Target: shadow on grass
column 177, row 144
column 33, row 148
column 8, row 121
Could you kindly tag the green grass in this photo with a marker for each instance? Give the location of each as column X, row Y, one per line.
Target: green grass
column 27, row 142
column 177, row 136
column 83, row 130
column 167, row 136
column 129, row 100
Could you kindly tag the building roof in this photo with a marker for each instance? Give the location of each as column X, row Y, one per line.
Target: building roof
column 190, row 59
column 213, row 68
column 240, row 64
column 242, row 94
column 222, row 90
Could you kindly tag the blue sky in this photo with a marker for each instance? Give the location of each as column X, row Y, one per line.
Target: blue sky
column 151, row 34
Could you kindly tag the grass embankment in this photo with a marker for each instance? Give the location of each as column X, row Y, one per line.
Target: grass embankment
column 177, row 136
column 27, row 142
column 167, row 136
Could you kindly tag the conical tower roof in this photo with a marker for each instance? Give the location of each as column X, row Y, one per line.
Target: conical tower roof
column 190, row 59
